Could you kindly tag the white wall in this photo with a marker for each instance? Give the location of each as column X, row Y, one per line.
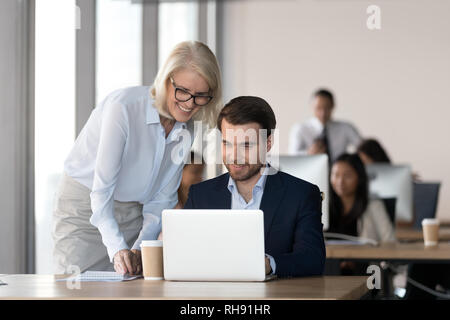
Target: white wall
column 392, row 83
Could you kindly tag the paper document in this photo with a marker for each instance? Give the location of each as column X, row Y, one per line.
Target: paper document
column 105, row 276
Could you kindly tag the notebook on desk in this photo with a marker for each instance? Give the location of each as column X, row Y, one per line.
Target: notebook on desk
column 103, row 276
column 332, row 238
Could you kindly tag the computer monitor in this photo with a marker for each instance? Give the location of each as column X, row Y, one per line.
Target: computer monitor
column 393, row 181
column 312, row 168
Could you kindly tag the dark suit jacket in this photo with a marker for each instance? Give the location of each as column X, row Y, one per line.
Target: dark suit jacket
column 292, row 220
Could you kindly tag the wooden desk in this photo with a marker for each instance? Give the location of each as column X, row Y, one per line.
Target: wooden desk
column 406, row 252
column 316, row 288
column 409, row 234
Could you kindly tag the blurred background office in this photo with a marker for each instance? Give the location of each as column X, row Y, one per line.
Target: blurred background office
column 59, row 58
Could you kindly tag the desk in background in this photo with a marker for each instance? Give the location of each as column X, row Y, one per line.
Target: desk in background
column 399, row 252
column 310, row 288
column 410, row 234
column 403, row 253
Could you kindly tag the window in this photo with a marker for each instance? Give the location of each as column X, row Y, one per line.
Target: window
column 119, row 46
column 54, row 113
column 178, row 21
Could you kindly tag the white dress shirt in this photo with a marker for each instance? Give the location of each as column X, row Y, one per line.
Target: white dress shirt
column 122, row 154
column 342, row 137
column 238, row 202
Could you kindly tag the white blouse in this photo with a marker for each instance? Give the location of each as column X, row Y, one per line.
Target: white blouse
column 122, row 154
column 375, row 223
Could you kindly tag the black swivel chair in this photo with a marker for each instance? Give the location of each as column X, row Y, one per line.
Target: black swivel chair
column 389, row 204
column 425, row 197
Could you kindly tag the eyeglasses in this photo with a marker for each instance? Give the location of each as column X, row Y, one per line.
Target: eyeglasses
column 182, row 96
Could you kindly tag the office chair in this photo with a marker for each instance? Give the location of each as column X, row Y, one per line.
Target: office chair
column 389, row 204
column 425, row 197
column 322, row 197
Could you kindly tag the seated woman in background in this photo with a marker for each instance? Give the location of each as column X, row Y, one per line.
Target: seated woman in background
column 371, row 151
column 351, row 211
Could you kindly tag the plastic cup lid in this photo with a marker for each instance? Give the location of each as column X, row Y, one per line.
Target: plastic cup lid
column 151, row 243
column 430, row 221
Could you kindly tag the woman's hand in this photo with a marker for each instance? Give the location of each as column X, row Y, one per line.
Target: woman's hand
column 137, row 255
column 128, row 261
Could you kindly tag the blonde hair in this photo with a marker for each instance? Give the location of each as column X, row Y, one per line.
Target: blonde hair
column 198, row 57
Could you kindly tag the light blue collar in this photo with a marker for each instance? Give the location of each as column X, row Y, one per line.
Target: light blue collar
column 152, row 113
column 258, row 186
column 153, row 118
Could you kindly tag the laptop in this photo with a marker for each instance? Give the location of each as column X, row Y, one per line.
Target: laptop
column 213, row 245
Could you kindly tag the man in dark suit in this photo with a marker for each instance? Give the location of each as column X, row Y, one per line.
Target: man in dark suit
column 292, row 207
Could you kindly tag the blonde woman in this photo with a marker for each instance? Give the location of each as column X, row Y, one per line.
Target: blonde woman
column 119, row 175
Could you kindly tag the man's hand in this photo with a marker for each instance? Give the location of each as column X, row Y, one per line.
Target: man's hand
column 128, row 261
column 268, row 267
column 317, row 147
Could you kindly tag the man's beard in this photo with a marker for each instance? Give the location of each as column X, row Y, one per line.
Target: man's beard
column 253, row 170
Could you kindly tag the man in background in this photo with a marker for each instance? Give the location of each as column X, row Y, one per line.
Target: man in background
column 322, row 134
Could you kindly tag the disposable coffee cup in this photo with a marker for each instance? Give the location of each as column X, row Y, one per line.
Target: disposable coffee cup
column 152, row 259
column 430, row 229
